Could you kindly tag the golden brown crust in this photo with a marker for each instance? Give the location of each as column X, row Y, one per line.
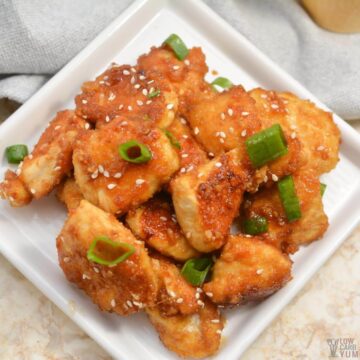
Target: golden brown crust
column 195, row 336
column 125, row 288
column 14, row 190
column 68, row 192
column 248, row 269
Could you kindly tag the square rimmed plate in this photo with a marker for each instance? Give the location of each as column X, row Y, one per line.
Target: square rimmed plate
column 27, row 235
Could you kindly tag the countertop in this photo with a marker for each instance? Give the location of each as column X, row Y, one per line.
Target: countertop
column 328, row 307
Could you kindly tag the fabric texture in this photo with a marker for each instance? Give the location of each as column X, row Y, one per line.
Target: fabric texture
column 38, row 37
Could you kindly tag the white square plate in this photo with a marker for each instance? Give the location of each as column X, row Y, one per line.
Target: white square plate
column 27, row 235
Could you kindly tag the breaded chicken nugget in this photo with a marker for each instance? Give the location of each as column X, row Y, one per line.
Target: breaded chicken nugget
column 112, row 183
column 127, row 91
column 187, row 77
column 155, row 223
column 14, row 190
column 175, row 295
column 284, row 235
column 207, row 200
column 124, row 288
column 69, row 193
column 248, row 269
column 48, row 163
column 195, row 336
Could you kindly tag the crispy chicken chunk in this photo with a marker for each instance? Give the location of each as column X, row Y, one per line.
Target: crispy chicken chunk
column 195, row 336
column 207, row 200
column 124, row 288
column 48, row 163
column 248, row 269
column 224, row 120
column 284, row 235
column 110, row 182
column 155, row 223
column 175, row 295
column 187, row 77
column 127, row 91
column 69, row 193
column 14, row 190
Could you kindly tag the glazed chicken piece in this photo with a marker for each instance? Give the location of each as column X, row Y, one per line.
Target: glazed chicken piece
column 155, row 223
column 301, row 120
column 112, row 183
column 68, row 192
column 248, row 269
column 195, row 336
column 124, row 288
column 49, row 162
column 187, row 76
column 207, row 200
column 175, row 295
column 127, row 91
column 282, row 234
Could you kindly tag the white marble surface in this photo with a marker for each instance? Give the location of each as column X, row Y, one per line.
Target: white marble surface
column 32, row 328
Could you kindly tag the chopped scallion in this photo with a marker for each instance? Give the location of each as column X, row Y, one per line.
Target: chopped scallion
column 15, row 154
column 153, row 94
column 322, row 188
column 222, row 82
column 173, row 141
column 177, row 45
column 195, row 270
column 135, row 152
column 289, row 199
column 255, row 225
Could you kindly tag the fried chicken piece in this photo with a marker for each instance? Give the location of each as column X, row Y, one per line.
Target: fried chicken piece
column 187, row 76
column 195, row 336
column 223, row 121
column 248, row 269
column 110, row 182
column 284, row 235
column 124, row 288
column 207, row 200
column 14, row 190
column 49, row 162
column 175, row 296
column 155, row 223
column 127, row 91
column 69, row 193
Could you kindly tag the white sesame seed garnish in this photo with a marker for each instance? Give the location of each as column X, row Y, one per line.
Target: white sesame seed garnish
column 259, row 271
column 183, row 121
column 293, row 127
column 148, row 102
column 66, row 259
column 209, row 294
column 57, row 168
column 145, row 92
column 111, row 97
column 191, row 167
column 199, row 290
column 132, row 80
column 18, row 171
column 101, row 169
column 188, row 235
column 96, row 270
column 83, row 116
column 170, row 106
column 139, row 181
column 33, row 191
column 200, row 175
column 222, row 134
column 84, row 101
column 171, row 293
column 222, row 140
column 124, row 123
column 130, row 108
column 218, row 164
column 293, row 135
column 185, row 136
column 129, row 303
column 266, row 178
column 244, row 113
column 150, row 81
column 179, row 300
column 222, row 116
column 218, row 332
column 196, row 131
column 163, row 218
column 215, row 321
column 57, row 127
column 111, row 186
column 106, row 174
column 95, row 174
column 29, row 157
column 182, row 170
column 138, row 304
column 121, row 106
column 107, row 119
column 274, row 177
column 137, row 86
column 106, row 77
column 133, row 70
column 243, row 133
column 320, row 148
column 197, row 295
column 211, row 154
column 139, row 102
column 176, row 67
column 84, row 276
column 230, row 112
column 274, row 106
column 142, row 77
column 101, row 82
column 201, row 303
column 126, row 72
column 118, row 175
column 185, row 155
column 113, row 303
column 187, row 62
column 87, row 126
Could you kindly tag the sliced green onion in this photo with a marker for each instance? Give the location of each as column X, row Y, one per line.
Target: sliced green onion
column 153, row 94
column 195, row 270
column 135, row 152
column 222, row 82
column 102, row 251
column 289, row 199
column 255, row 225
column 173, row 140
column 178, row 46
column 322, row 188
column 266, row 145
column 15, row 154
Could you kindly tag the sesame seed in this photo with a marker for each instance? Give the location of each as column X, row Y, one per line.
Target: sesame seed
column 163, row 218
column 148, row 102
column 171, row 293
column 130, row 108
column 320, row 148
column 111, row 97
column 196, row 131
column 84, row 276
column 222, row 134
column 274, row 177
column 199, row 290
column 183, row 121
column 137, row 86
column 95, row 174
column 57, row 168
column 113, row 303
column 18, row 171
column 293, row 135
column 106, row 77
column 200, row 175
column 132, row 80
column 209, row 294
column 185, row 136
column 215, row 321
column 152, row 89
column 187, row 62
column 230, row 112
column 176, row 67
column 106, row 174
column 197, row 295
column 83, row 116
column 184, row 155
column 259, row 271
column 274, row 106
column 126, row 72
column 101, row 169
column 266, row 178
column 145, row 92
column 107, row 119
column 208, row 234
column 139, row 181
column 57, row 127
column 218, row 164
column 170, row 106
column 129, row 303
column 33, row 191
column 139, row 102
column 243, row 133
column 96, row 270
column 218, row 332
column 87, row 126
column 138, row 304
column 111, row 186
column 142, row 77
column 201, row 303
column 123, row 123
column 191, row 167
column 293, row 127
column 222, row 116
column 66, row 259
column 84, row 101
column 133, row 70
column 118, row 175
column 182, row 170
column 188, row 235
column 211, row 154
column 101, row 82
column 244, row 113
column 30, row 156
column 121, row 106
column 179, row 300
column 150, row 81
column 221, row 140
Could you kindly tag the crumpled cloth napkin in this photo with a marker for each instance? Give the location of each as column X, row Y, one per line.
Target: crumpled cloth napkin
column 38, row 37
